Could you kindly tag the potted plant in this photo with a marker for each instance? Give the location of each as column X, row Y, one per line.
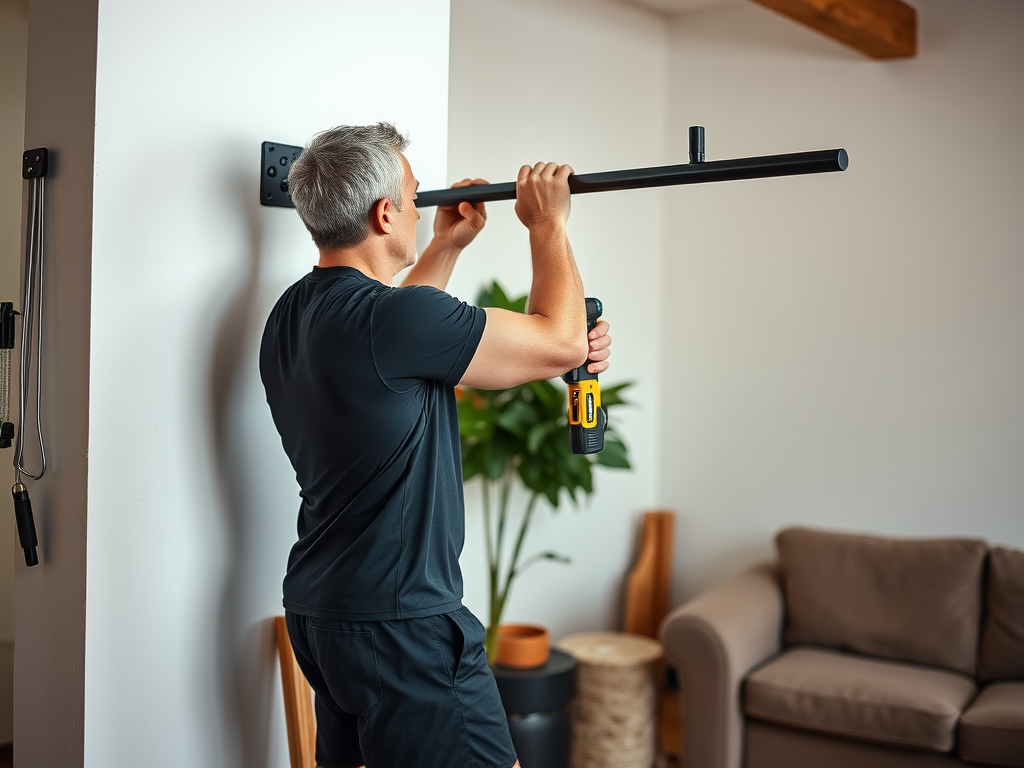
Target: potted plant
column 520, row 435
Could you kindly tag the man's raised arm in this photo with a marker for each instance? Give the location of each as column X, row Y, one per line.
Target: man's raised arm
column 551, row 338
column 455, row 227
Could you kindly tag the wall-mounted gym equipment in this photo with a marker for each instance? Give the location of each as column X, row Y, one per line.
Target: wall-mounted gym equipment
column 35, row 163
column 587, row 420
column 276, row 159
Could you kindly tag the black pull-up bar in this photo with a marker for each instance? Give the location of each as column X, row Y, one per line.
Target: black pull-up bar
column 695, row 172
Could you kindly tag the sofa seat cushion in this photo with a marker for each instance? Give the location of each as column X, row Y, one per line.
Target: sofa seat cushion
column 857, row 697
column 992, row 728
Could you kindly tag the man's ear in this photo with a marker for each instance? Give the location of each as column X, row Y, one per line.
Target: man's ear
column 381, row 216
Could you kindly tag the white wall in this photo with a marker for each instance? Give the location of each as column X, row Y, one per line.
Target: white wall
column 13, row 59
column 846, row 349
column 530, row 81
column 842, row 350
column 191, row 503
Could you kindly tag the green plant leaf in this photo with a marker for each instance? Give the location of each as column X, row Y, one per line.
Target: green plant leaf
column 472, row 465
column 499, row 298
column 551, row 492
column 497, row 457
column 538, row 433
column 553, row 397
column 518, row 417
column 586, row 477
column 477, row 415
column 614, row 454
column 534, row 559
column 611, row 395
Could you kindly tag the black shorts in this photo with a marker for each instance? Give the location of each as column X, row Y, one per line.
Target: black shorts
column 402, row 694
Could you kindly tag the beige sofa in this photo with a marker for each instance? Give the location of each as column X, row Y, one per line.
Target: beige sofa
column 853, row 651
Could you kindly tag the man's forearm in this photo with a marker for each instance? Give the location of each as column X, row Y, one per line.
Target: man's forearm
column 434, row 266
column 557, row 290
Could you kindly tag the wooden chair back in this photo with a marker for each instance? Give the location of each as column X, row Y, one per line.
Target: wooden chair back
column 298, row 703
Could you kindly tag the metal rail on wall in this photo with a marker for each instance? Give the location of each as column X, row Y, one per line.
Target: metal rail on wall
column 276, row 161
column 697, row 171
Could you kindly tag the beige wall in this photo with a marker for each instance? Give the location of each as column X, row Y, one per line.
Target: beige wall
column 848, row 348
column 13, row 54
column 49, row 673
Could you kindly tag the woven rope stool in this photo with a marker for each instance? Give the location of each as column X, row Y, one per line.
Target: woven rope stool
column 614, row 716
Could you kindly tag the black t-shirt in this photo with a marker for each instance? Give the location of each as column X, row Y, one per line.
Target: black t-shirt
column 359, row 377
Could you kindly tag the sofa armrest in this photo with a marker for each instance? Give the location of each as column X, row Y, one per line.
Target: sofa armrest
column 713, row 641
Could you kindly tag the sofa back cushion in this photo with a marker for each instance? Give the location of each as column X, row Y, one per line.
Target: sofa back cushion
column 1002, row 639
column 912, row 600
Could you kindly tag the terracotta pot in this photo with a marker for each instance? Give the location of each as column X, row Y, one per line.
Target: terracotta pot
column 523, row 646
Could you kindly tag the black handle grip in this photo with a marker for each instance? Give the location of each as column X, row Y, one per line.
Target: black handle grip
column 594, row 311
column 26, row 524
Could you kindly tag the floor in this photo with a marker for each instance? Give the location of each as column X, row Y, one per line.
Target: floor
column 670, row 735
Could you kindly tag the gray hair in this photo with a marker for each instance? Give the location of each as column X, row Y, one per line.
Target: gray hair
column 340, row 176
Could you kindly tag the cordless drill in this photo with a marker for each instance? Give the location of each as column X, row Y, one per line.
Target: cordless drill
column 587, row 419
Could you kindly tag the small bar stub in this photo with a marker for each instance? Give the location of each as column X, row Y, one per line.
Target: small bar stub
column 696, row 143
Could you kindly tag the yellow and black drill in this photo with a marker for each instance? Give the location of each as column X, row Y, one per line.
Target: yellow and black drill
column 587, row 419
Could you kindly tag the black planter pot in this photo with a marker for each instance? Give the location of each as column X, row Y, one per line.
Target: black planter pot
column 537, row 703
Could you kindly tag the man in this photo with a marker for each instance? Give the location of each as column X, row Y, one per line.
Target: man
column 359, row 377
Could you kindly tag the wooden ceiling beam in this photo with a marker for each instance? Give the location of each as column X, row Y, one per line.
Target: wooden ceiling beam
column 882, row 29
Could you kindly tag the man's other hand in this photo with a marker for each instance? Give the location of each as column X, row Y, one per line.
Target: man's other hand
column 600, row 345
column 542, row 194
column 457, row 225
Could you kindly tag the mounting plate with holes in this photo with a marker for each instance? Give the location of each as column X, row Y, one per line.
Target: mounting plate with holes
column 35, row 163
column 276, row 160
